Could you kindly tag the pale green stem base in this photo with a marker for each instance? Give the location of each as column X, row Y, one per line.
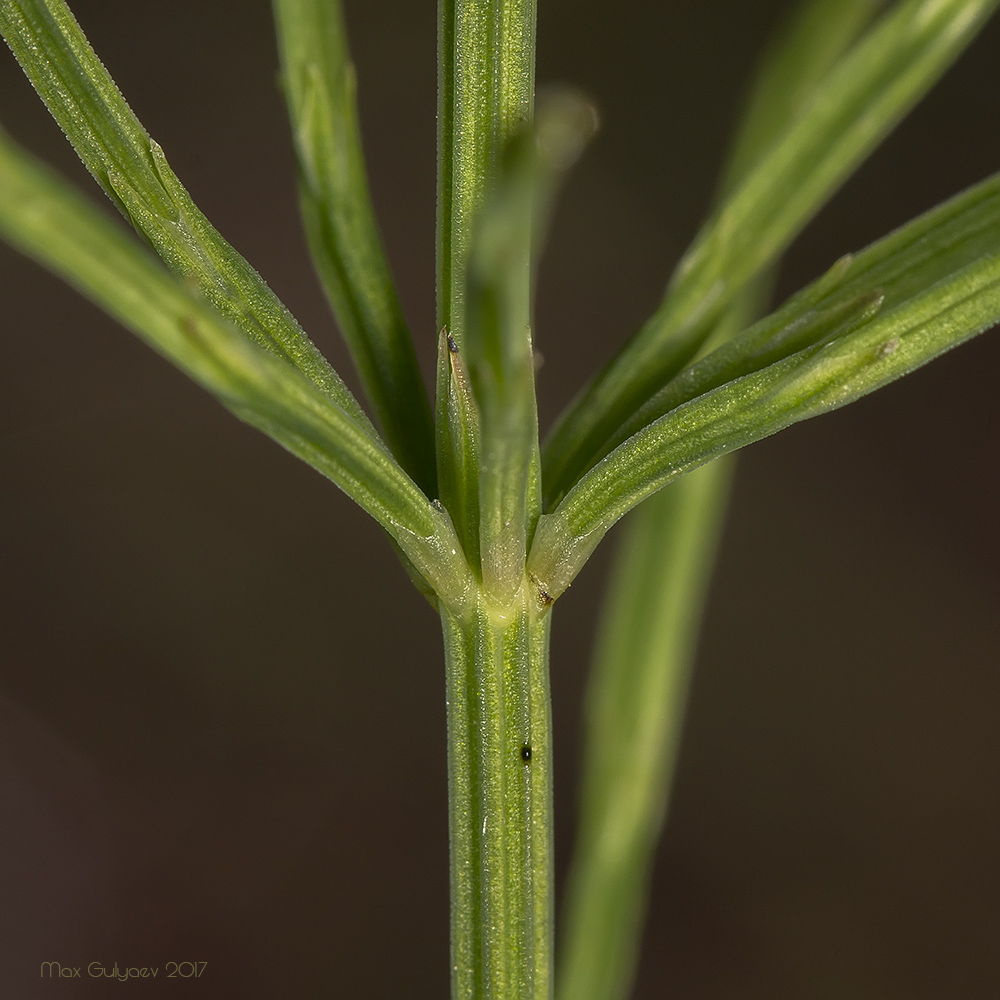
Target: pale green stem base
column 500, row 799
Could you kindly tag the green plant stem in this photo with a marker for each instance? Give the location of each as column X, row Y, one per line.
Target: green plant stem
column 637, row 688
column 486, row 79
column 486, row 84
column 496, row 646
column 320, row 87
column 634, row 709
column 500, row 798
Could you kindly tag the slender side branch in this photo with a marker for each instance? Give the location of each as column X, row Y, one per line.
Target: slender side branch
column 498, row 344
column 320, row 88
column 879, row 279
column 804, row 49
column 856, row 105
column 965, row 301
column 133, row 171
column 634, row 708
column 45, row 218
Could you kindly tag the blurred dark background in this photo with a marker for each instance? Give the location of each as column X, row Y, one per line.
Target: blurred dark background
column 221, row 702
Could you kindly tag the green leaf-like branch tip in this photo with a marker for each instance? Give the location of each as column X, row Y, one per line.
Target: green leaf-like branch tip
column 768, row 341
column 847, row 113
column 565, row 121
column 891, row 308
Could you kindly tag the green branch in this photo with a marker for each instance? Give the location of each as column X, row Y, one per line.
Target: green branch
column 497, row 351
column 320, row 87
column 634, row 709
column 131, row 168
column 937, row 281
column 647, row 639
column 45, row 218
column 852, row 110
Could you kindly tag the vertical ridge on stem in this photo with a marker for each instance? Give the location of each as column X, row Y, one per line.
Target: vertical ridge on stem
column 486, row 84
column 500, row 797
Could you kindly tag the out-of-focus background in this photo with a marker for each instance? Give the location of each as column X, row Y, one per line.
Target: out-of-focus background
column 221, row 702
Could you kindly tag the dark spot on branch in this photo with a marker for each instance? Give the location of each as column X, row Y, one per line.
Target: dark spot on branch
column 888, row 347
column 189, row 327
column 526, row 754
column 452, row 346
column 544, row 598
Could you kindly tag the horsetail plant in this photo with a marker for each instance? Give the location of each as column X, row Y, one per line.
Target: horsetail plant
column 491, row 525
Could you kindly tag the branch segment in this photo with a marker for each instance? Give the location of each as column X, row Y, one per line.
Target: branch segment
column 133, row 171
column 320, row 88
column 46, row 219
column 855, row 106
column 635, row 704
column 498, row 344
column 937, row 281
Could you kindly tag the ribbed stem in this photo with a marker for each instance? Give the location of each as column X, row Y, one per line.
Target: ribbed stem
column 486, row 85
column 500, row 799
